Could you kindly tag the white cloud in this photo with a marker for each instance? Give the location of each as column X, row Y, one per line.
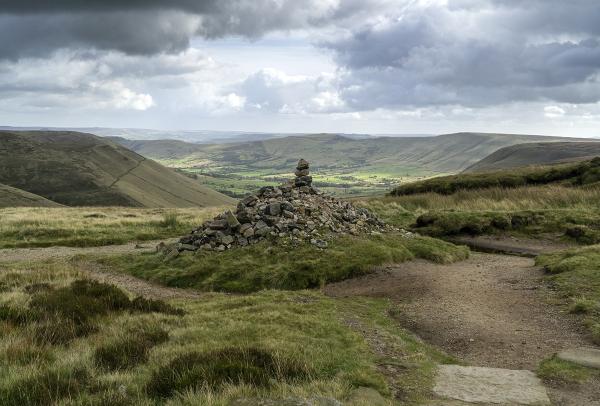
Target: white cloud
column 553, row 111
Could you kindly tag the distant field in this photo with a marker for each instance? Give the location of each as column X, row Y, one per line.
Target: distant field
column 239, row 181
column 94, row 226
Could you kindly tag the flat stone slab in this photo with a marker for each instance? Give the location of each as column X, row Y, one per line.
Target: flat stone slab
column 490, row 386
column 585, row 356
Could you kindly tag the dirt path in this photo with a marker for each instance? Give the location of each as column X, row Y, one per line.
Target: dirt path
column 503, row 244
column 95, row 271
column 486, row 311
column 50, row 253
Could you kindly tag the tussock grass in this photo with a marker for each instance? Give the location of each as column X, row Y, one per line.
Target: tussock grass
column 267, row 266
column 89, row 227
column 131, row 350
column 232, row 365
column 576, row 275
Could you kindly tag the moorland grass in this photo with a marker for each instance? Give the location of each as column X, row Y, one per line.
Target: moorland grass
column 279, row 266
column 582, row 173
column 91, row 227
column 529, row 210
column 576, row 275
column 278, row 344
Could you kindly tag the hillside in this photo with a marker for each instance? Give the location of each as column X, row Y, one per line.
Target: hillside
column 539, row 153
column 78, row 169
column 342, row 165
column 569, row 174
column 13, row 197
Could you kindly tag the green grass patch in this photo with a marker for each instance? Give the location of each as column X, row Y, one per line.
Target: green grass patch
column 267, row 266
column 576, row 275
column 558, row 372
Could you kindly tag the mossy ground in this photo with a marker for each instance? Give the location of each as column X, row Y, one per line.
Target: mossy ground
column 280, row 266
column 274, row 344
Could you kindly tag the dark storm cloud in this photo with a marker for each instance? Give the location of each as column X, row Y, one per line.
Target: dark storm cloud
column 29, row 28
column 475, row 54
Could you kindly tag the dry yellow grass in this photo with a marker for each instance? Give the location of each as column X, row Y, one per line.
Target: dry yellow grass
column 95, row 226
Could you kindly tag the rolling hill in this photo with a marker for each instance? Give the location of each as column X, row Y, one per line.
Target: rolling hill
column 340, row 165
column 443, row 153
column 539, row 153
column 78, row 169
column 13, row 197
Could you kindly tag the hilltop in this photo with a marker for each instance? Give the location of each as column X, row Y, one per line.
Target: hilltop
column 78, row 169
column 13, row 197
column 539, row 153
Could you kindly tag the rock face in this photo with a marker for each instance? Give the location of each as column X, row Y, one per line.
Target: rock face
column 294, row 210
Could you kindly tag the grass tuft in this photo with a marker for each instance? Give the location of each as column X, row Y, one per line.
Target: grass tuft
column 558, row 372
column 233, row 365
column 131, row 350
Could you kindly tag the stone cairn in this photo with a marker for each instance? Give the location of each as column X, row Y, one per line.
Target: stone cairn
column 294, row 211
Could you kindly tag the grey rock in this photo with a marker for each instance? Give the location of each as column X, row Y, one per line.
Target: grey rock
column 585, row 356
column 228, row 239
column 302, row 164
column 274, row 209
column 186, row 247
column 490, row 385
column 232, row 220
column 218, row 224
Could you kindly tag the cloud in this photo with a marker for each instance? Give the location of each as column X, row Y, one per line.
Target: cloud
column 472, row 54
column 32, row 28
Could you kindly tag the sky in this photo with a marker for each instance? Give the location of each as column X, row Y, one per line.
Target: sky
column 353, row 66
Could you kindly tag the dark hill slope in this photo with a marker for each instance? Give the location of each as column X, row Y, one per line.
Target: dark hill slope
column 539, row 153
column 13, row 197
column 444, row 153
column 78, row 169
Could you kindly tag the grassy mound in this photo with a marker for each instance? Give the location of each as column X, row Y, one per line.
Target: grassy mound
column 583, row 173
column 266, row 266
column 576, row 274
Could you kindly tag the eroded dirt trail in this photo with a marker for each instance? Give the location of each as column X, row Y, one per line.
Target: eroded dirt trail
column 487, row 311
column 94, row 271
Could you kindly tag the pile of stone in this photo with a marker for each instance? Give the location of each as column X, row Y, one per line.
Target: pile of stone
column 294, row 211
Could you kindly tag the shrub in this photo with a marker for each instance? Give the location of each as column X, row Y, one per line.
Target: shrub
column 252, row 366
column 37, row 288
column 110, row 296
column 130, row 351
column 145, row 305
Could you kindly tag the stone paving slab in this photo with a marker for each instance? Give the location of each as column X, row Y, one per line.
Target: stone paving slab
column 585, row 356
column 490, row 386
